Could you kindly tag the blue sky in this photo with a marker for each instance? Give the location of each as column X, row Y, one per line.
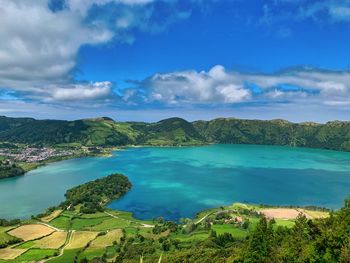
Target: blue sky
column 197, row 59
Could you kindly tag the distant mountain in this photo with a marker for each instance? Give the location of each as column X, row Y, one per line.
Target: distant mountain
column 174, row 132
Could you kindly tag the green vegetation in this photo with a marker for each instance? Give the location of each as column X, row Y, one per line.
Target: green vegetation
column 36, row 254
column 104, row 132
column 6, row 239
column 92, row 196
column 9, row 169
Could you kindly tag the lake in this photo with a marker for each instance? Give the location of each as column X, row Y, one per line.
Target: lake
column 179, row 182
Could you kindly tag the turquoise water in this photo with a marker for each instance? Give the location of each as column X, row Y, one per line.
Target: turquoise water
column 178, row 182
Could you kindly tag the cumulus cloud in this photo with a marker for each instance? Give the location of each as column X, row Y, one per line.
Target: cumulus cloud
column 40, row 45
column 220, row 86
column 40, row 42
column 214, row 86
column 81, row 92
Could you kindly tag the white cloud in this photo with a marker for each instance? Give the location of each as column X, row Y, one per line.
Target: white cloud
column 81, row 92
column 215, row 86
column 219, row 86
column 39, row 46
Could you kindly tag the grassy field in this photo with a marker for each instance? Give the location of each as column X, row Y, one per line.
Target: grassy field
column 238, row 233
column 85, row 223
column 62, row 222
column 196, row 236
column 68, row 256
column 36, row 254
column 110, row 223
column 91, row 253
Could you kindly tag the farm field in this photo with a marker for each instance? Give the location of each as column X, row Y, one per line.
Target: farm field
column 8, row 253
column 30, row 232
column 53, row 241
column 87, row 236
column 80, row 239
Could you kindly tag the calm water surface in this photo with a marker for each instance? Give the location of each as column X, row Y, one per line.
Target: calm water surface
column 178, row 182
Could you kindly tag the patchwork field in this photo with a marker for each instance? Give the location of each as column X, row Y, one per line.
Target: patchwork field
column 86, row 236
column 30, row 232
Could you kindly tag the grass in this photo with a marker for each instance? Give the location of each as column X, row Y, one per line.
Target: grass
column 195, row 236
column 83, row 223
column 80, row 239
column 68, row 256
column 110, row 252
column 4, row 237
column 91, row 253
column 236, row 232
column 286, row 223
column 36, row 254
column 129, row 216
column 111, row 223
column 130, row 231
column 96, row 215
column 62, row 222
column 30, row 232
column 28, row 244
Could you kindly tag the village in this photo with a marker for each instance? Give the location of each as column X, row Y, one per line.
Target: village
column 33, row 154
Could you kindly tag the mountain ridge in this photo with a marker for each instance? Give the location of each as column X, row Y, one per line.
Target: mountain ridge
column 104, row 131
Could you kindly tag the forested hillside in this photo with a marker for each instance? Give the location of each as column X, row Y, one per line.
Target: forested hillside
column 175, row 131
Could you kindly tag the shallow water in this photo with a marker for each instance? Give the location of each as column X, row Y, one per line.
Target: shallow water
column 178, row 182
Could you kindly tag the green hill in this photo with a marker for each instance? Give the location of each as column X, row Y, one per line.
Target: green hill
column 104, row 131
